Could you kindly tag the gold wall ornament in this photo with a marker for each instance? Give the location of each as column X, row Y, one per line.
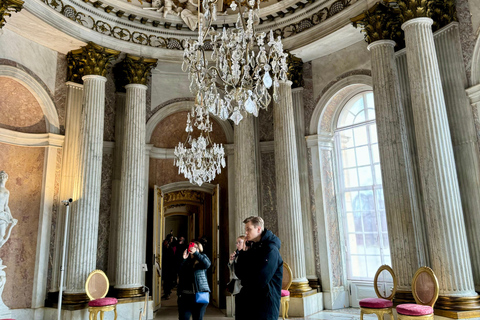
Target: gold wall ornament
column 295, row 70
column 410, row 9
column 442, row 13
column 91, row 59
column 184, row 195
column 8, row 6
column 380, row 22
column 138, row 69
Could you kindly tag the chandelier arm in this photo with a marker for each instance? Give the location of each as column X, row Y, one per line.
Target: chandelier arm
column 220, row 76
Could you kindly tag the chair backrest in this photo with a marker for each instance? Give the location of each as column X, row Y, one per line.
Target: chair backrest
column 385, row 268
column 97, row 285
column 287, row 276
column 425, row 287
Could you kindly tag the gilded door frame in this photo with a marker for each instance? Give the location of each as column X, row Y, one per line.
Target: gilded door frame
column 158, row 236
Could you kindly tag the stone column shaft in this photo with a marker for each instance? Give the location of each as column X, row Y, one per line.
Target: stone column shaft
column 448, row 248
column 464, row 139
column 82, row 253
column 132, row 190
column 299, row 115
column 397, row 176
column 246, row 191
column 69, row 167
column 289, row 207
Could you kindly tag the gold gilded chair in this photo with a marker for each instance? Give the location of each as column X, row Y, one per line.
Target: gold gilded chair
column 286, row 282
column 380, row 305
column 425, row 291
column 97, row 287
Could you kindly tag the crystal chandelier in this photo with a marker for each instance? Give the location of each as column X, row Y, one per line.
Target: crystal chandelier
column 199, row 159
column 243, row 65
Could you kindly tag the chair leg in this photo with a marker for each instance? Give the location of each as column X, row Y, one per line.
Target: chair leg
column 115, row 311
column 283, row 310
column 361, row 315
column 287, row 306
column 101, row 315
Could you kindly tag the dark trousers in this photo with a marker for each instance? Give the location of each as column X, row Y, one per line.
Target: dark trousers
column 187, row 307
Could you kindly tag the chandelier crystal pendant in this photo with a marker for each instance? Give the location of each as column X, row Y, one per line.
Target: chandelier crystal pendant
column 243, row 65
column 198, row 159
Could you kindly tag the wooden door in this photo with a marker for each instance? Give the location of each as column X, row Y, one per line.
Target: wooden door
column 158, row 236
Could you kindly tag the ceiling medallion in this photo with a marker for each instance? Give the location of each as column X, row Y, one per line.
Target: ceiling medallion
column 236, row 76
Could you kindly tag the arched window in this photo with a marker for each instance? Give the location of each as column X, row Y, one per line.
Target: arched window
column 360, row 188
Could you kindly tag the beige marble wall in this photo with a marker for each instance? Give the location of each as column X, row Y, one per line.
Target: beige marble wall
column 24, row 166
column 104, row 216
column 20, row 111
column 468, row 14
column 269, row 192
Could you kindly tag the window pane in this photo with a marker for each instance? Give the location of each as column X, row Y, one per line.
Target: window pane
column 360, row 117
column 348, row 157
column 386, row 244
column 373, row 264
column 349, row 196
column 371, row 113
column 370, row 100
column 354, row 222
column 370, row 221
column 356, row 244
column 365, row 176
column 346, row 138
column 380, row 200
column 375, row 154
column 371, row 244
column 378, row 174
column 350, row 176
column 357, row 106
column 360, row 134
column 373, row 133
column 364, row 201
column 363, row 157
column 358, row 267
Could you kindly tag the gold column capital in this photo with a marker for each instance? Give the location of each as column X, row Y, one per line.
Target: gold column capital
column 138, row 69
column 91, row 59
column 295, row 70
column 8, row 6
column 380, row 22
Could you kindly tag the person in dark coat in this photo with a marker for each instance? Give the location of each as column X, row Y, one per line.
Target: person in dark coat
column 192, row 278
column 259, row 266
column 168, row 267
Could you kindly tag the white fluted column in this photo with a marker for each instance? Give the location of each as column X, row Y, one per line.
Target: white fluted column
column 246, row 191
column 464, row 139
column 299, row 115
column 69, row 167
column 447, row 240
column 82, row 253
column 289, row 207
column 397, row 174
column 132, row 188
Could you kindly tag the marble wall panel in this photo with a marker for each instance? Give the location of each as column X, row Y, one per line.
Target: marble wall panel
column 19, row 109
column 171, row 130
column 60, row 93
column 24, row 166
column 104, row 215
column 308, row 97
column 169, row 82
column 269, row 193
column 265, row 124
column 109, row 127
column 313, row 208
column 468, row 34
column 39, row 59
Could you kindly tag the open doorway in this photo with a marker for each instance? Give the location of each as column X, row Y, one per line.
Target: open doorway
column 192, row 214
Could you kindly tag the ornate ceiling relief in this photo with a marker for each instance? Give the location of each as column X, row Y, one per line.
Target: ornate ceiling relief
column 8, row 6
column 184, row 195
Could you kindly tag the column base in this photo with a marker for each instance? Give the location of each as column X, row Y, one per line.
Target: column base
column 121, row 293
column 458, row 303
column 299, row 289
column 402, row 297
column 457, row 314
column 74, row 301
column 305, row 306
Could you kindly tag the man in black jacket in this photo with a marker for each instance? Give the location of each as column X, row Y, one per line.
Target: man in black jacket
column 259, row 267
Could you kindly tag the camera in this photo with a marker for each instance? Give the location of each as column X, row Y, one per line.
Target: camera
column 191, row 245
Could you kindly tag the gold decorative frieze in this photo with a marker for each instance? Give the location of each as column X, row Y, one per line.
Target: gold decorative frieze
column 380, row 22
column 295, row 70
column 8, row 6
column 138, row 69
column 91, row 59
column 184, row 195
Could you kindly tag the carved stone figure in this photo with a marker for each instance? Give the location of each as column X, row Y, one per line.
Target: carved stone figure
column 189, row 14
column 6, row 225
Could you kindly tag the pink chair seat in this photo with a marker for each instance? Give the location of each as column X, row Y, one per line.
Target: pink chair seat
column 103, row 302
column 376, row 303
column 285, row 293
column 410, row 309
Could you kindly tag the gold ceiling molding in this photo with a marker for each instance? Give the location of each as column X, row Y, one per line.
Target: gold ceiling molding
column 91, row 59
column 184, row 195
column 442, row 12
column 8, row 6
column 380, row 22
column 295, row 70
